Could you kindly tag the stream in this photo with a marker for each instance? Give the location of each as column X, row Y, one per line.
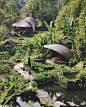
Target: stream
column 59, row 94
column 55, row 92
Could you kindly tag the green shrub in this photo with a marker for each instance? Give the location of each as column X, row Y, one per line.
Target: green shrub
column 85, row 85
column 5, row 69
column 40, row 77
column 16, row 74
column 62, row 81
column 34, row 84
column 72, row 62
column 6, row 62
column 48, row 67
column 12, row 51
column 4, row 53
column 82, row 75
column 39, row 67
column 26, row 81
column 79, row 66
column 46, row 76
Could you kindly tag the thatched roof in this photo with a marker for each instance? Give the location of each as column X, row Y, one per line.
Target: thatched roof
column 27, row 22
column 11, row 42
column 22, row 24
column 61, row 49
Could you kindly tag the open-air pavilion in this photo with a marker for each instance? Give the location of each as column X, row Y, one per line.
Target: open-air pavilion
column 62, row 50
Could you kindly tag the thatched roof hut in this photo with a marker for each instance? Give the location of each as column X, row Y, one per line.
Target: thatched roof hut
column 61, row 49
column 11, row 42
column 27, row 22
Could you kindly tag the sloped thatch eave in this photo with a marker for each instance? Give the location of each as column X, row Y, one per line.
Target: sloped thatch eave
column 11, row 42
column 61, row 49
column 27, row 22
column 21, row 24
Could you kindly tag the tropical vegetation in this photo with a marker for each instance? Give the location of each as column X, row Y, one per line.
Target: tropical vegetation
column 62, row 22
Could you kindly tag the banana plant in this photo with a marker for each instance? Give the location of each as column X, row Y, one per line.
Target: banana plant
column 41, row 40
column 51, row 31
column 69, row 31
column 4, row 94
column 49, row 27
column 10, row 83
column 45, row 38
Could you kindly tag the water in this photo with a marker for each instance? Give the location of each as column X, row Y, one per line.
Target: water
column 59, row 94
column 23, row 103
column 56, row 93
column 22, row 100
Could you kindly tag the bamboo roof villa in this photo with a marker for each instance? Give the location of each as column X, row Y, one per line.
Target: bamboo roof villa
column 24, row 27
column 62, row 50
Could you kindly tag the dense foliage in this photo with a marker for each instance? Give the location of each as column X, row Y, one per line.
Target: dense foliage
column 75, row 9
column 9, row 14
column 70, row 23
column 4, row 69
column 67, row 77
column 13, row 85
column 42, row 9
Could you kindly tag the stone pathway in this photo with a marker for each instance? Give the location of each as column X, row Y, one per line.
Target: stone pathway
column 49, row 61
column 42, row 95
column 73, row 104
column 19, row 68
column 58, row 104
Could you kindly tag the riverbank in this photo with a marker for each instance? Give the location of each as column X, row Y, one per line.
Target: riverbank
column 45, row 98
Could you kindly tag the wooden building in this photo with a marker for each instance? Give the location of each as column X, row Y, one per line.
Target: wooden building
column 24, row 27
column 63, row 54
column 10, row 44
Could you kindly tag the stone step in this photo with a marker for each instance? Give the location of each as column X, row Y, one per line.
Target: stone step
column 58, row 104
column 30, row 85
column 83, row 103
column 24, row 73
column 44, row 97
column 72, row 104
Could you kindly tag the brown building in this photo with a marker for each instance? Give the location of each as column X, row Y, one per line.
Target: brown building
column 24, row 27
column 61, row 52
column 10, row 44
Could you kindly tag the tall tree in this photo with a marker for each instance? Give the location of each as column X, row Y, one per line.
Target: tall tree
column 65, row 2
column 75, row 9
column 9, row 13
column 42, row 9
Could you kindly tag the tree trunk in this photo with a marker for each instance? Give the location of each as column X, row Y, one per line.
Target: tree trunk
column 54, row 39
column 51, row 38
column 74, row 50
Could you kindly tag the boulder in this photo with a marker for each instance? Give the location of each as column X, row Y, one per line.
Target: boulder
column 58, row 104
column 44, row 97
column 83, row 103
column 72, row 104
